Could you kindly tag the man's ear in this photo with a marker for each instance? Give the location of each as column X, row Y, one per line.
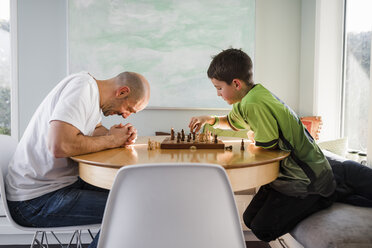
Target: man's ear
column 122, row 92
column 237, row 84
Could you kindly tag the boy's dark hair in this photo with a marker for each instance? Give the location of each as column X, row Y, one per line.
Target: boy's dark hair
column 230, row 64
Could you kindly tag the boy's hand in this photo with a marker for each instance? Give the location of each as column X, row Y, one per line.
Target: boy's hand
column 198, row 121
column 250, row 135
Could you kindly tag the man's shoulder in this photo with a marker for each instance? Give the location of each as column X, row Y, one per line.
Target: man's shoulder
column 81, row 80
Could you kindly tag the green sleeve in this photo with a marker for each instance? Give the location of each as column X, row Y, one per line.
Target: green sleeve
column 236, row 119
column 264, row 125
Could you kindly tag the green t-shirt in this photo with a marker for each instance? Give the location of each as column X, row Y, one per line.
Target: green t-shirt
column 306, row 170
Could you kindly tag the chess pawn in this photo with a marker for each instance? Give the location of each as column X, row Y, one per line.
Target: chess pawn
column 189, row 137
column 150, row 145
column 178, row 137
column 172, row 133
column 201, row 137
column 209, row 136
column 242, row 145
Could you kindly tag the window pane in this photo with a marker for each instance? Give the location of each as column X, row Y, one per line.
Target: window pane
column 357, row 72
column 4, row 67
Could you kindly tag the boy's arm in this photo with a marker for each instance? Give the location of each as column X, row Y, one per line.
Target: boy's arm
column 224, row 123
column 217, row 121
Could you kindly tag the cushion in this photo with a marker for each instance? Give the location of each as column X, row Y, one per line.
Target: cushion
column 337, row 146
column 341, row 225
column 313, row 124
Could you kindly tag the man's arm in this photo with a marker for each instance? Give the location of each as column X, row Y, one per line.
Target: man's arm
column 65, row 140
column 100, row 130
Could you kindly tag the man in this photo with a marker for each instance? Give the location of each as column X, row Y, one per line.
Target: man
column 43, row 187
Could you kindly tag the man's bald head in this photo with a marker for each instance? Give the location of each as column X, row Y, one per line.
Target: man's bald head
column 138, row 85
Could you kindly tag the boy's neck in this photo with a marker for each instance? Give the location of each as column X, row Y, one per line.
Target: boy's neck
column 246, row 89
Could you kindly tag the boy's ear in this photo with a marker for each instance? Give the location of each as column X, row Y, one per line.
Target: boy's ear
column 237, row 84
column 122, row 92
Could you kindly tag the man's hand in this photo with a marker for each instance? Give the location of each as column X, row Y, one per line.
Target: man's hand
column 123, row 134
column 198, row 121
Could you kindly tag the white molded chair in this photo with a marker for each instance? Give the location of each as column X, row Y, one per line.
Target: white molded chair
column 7, row 149
column 171, row 205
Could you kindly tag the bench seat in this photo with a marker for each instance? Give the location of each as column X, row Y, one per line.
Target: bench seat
column 340, row 226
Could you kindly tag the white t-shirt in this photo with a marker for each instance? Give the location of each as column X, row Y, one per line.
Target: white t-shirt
column 34, row 171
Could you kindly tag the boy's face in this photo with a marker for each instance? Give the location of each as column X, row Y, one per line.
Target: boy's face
column 229, row 93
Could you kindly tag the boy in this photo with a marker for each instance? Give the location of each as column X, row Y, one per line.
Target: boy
column 305, row 183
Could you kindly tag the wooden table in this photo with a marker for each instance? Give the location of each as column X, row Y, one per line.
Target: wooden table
column 246, row 169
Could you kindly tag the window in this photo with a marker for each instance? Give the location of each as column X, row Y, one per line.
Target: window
column 358, row 33
column 5, row 70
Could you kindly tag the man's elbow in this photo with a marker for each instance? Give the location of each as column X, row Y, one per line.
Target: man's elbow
column 57, row 150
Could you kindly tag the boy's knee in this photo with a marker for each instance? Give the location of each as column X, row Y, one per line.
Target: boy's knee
column 264, row 233
column 247, row 218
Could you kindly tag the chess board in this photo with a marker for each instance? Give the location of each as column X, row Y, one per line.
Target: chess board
column 172, row 144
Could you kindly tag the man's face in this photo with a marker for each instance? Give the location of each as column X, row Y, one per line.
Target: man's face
column 124, row 107
column 229, row 93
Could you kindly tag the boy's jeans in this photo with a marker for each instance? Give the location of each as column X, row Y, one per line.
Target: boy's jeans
column 76, row 204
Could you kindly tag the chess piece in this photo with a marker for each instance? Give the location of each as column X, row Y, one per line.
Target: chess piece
column 182, row 135
column 228, row 148
column 189, row 137
column 193, row 136
column 215, row 139
column 178, row 137
column 242, row 145
column 172, row 133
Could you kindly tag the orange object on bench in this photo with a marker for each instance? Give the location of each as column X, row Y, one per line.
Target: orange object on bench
column 313, row 124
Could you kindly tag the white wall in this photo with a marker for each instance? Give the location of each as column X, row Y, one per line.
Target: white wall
column 321, row 63
column 307, row 69
column 328, row 66
column 278, row 36
column 42, row 55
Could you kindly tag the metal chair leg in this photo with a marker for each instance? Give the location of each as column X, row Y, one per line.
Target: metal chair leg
column 38, row 242
column 55, row 236
column 91, row 235
column 44, row 243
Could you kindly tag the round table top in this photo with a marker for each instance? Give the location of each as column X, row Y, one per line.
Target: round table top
column 138, row 153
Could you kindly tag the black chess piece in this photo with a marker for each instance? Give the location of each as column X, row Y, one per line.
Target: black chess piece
column 228, row 148
column 182, row 135
column 242, row 145
column 172, row 134
column 215, row 139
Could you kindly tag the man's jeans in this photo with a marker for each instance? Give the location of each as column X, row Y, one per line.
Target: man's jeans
column 76, row 204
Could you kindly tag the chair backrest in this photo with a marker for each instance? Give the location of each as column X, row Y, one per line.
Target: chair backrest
column 169, row 205
column 7, row 148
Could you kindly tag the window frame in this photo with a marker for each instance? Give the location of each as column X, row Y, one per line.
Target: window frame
column 14, row 70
